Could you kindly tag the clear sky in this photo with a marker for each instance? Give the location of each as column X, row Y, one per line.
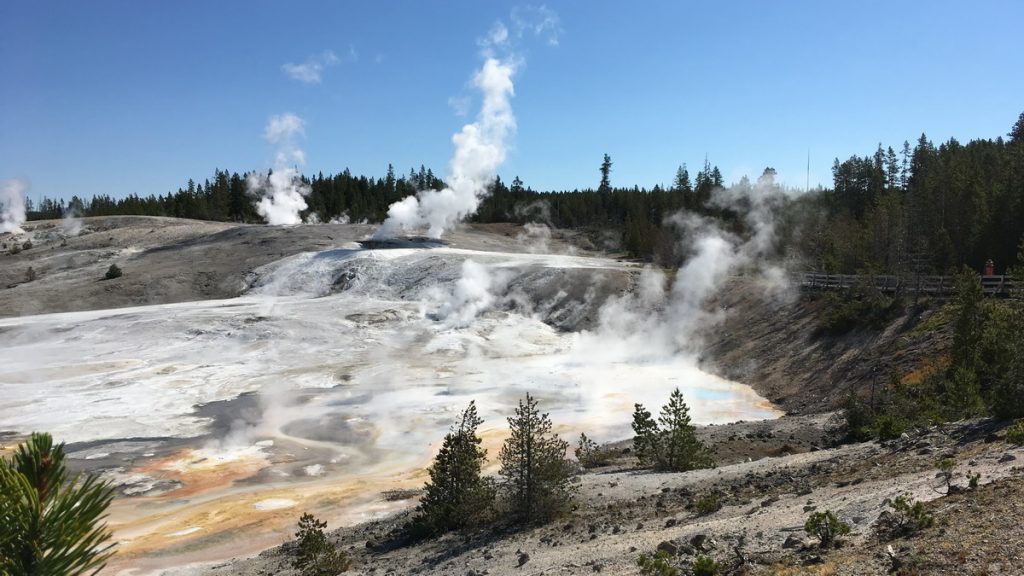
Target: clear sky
column 130, row 96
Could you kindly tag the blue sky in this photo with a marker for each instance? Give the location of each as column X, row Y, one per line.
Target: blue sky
column 108, row 97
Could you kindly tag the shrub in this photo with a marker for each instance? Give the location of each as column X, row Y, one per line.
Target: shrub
column 590, row 455
column 709, row 503
column 51, row 524
column 890, row 427
column 906, row 517
column 859, row 417
column 315, row 556
column 457, row 495
column 113, row 272
column 946, row 466
column 1015, row 432
column 659, row 565
column 861, row 307
column 673, row 446
column 826, row 526
column 705, row 566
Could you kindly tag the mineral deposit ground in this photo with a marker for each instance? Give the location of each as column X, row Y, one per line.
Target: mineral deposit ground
column 236, row 376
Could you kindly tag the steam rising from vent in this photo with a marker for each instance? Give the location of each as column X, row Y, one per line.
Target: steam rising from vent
column 12, row 205
column 474, row 292
column 654, row 323
column 282, row 192
column 480, row 148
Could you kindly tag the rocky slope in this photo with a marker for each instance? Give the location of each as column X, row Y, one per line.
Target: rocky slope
column 622, row 513
column 776, row 346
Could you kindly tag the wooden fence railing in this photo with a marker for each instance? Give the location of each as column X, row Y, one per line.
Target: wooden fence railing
column 932, row 285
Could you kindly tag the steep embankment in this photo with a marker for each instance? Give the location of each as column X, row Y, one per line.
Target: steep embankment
column 777, row 346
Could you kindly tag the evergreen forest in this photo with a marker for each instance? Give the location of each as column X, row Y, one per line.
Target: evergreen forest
column 918, row 207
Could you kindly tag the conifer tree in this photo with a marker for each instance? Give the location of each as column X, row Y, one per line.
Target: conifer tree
column 537, row 476
column 645, row 442
column 967, row 330
column 457, row 495
column 315, row 555
column 681, row 449
column 50, row 523
column 673, row 446
column 606, row 169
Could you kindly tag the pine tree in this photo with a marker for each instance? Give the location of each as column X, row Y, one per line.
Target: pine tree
column 537, row 476
column 457, row 495
column 969, row 320
column 50, row 523
column 315, row 556
column 905, row 155
column 681, row 185
column 645, row 442
column 682, row 450
column 606, row 169
column 673, row 446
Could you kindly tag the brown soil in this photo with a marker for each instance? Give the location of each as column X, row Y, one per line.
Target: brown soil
column 775, row 346
column 622, row 512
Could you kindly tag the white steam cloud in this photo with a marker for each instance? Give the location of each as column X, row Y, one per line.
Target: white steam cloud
column 71, row 224
column 480, row 148
column 656, row 322
column 474, row 292
column 281, row 194
column 12, row 205
column 311, row 71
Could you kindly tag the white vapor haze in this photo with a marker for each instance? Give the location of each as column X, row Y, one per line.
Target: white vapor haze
column 311, row 71
column 657, row 321
column 281, row 194
column 537, row 20
column 480, row 148
column 12, row 205
column 474, row 292
column 282, row 127
column 71, row 225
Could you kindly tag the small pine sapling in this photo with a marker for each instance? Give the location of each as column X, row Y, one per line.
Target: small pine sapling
column 826, row 527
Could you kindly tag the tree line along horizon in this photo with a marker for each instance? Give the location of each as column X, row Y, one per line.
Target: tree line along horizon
column 922, row 208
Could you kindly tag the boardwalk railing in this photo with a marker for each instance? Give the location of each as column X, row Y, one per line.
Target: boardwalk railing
column 932, row 285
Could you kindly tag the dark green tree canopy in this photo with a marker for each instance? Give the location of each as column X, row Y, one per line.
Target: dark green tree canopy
column 537, row 477
column 457, row 495
column 672, row 446
column 51, row 523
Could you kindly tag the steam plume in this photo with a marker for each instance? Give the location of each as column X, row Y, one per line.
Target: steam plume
column 12, row 206
column 282, row 192
column 656, row 322
column 473, row 293
column 71, row 225
column 479, row 150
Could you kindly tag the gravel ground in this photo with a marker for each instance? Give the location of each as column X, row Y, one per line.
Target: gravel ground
column 623, row 512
